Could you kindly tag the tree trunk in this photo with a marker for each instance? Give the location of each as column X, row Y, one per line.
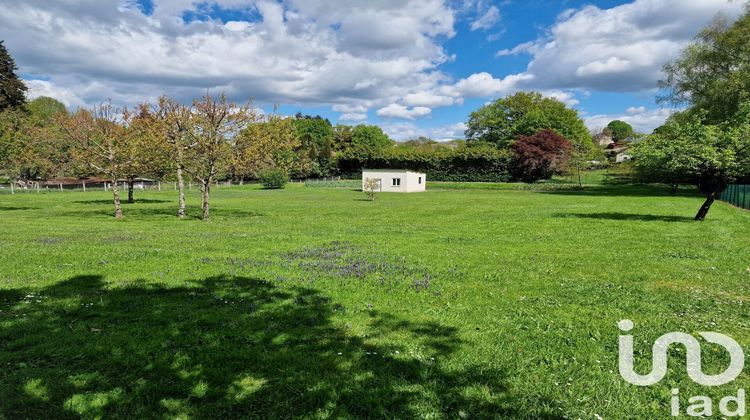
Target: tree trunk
column 116, row 197
column 131, row 200
column 12, row 188
column 713, row 196
column 180, row 192
column 206, row 192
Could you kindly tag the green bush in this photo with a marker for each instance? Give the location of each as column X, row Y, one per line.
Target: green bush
column 273, row 179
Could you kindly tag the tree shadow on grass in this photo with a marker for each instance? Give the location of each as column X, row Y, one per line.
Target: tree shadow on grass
column 626, row 216
column 17, row 208
column 193, row 212
column 227, row 347
column 629, row 190
column 125, row 202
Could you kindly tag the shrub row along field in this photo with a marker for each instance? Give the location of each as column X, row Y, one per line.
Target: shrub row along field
column 313, row 302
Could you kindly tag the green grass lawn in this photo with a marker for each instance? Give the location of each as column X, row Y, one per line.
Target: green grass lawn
column 313, row 302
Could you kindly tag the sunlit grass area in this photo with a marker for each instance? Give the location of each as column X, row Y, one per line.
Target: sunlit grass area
column 315, row 302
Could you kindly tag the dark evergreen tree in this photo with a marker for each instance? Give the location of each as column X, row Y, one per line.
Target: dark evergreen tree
column 12, row 89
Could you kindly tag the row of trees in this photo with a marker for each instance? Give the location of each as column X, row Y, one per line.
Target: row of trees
column 210, row 139
column 710, row 140
column 121, row 144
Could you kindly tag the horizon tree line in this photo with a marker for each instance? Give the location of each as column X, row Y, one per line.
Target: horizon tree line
column 207, row 140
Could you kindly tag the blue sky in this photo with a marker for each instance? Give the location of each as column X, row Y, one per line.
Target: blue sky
column 415, row 67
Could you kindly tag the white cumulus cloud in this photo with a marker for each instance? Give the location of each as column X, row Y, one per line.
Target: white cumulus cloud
column 349, row 52
column 428, row 99
column 406, row 130
column 353, row 116
column 484, row 85
column 401, row 111
column 621, row 49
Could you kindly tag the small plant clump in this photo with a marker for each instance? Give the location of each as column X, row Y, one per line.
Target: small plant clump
column 274, row 179
column 421, row 284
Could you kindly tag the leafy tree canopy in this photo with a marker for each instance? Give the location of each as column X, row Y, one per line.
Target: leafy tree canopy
column 425, row 144
column 44, row 109
column 541, row 155
column 314, row 131
column 317, row 137
column 270, row 145
column 671, row 153
column 12, row 121
column 687, row 146
column 12, row 88
column 369, row 139
column 620, row 130
column 342, row 137
column 525, row 114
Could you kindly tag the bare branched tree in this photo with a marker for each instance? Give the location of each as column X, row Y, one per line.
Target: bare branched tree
column 99, row 143
column 370, row 187
column 174, row 124
column 148, row 155
column 215, row 123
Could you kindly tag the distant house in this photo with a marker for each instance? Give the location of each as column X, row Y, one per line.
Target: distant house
column 618, row 152
column 603, row 139
column 623, row 156
column 396, row 180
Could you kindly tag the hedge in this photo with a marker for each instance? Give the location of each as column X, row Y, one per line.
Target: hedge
column 473, row 164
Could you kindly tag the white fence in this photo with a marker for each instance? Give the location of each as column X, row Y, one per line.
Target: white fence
column 80, row 186
column 137, row 185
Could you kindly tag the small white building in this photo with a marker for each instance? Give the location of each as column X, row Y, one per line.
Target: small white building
column 396, row 180
column 623, row 156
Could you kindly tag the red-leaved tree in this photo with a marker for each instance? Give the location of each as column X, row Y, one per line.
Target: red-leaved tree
column 540, row 156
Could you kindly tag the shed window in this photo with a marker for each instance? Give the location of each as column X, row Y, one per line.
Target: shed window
column 420, row 180
column 396, row 182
